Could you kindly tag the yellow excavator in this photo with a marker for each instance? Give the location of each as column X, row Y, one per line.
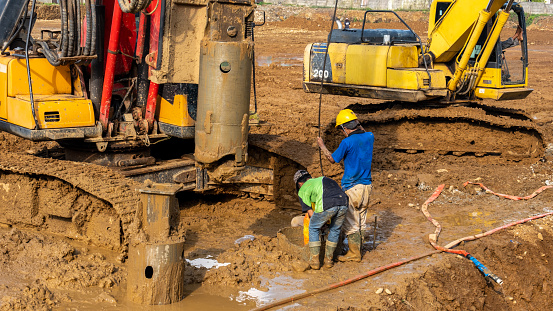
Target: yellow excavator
column 447, row 85
column 132, row 90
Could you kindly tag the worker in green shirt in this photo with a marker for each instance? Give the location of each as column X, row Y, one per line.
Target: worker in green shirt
column 323, row 200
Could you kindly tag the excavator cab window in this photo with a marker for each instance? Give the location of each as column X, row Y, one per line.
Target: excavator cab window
column 492, row 62
column 509, row 56
column 512, row 53
column 441, row 8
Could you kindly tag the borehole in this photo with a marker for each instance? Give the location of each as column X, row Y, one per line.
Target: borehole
column 149, row 272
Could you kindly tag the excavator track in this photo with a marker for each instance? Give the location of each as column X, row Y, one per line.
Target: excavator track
column 80, row 200
column 468, row 129
column 97, row 204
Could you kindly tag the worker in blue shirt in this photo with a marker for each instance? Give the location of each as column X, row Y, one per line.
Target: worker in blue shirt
column 356, row 150
column 324, row 201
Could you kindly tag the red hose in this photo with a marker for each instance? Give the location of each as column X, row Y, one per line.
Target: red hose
column 507, row 196
column 113, row 47
column 342, row 283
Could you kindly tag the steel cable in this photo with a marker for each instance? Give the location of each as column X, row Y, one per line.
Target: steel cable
column 322, row 82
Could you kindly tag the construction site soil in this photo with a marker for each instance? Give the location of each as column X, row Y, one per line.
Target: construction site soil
column 43, row 271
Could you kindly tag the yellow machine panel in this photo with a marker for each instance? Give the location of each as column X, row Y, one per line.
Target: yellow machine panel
column 57, row 111
column 306, row 58
column 175, row 114
column 400, row 56
column 55, row 106
column 46, row 78
column 337, row 53
column 415, row 79
column 366, row 65
column 502, row 94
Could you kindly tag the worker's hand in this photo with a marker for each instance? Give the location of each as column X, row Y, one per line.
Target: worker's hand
column 325, row 151
column 320, row 142
column 310, row 213
column 518, row 34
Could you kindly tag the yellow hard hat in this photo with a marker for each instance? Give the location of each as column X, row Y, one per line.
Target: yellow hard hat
column 344, row 116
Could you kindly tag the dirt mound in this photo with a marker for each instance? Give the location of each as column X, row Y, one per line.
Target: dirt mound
column 47, row 11
column 542, row 23
column 249, row 261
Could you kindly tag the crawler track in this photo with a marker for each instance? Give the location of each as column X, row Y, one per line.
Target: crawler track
column 83, row 201
column 472, row 129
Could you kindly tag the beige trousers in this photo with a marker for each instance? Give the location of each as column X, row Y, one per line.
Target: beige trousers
column 357, row 211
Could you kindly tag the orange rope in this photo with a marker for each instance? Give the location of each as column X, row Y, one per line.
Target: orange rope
column 433, row 237
column 507, row 196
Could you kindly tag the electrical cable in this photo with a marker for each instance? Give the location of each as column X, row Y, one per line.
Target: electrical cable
column 29, row 80
column 322, row 82
column 253, row 72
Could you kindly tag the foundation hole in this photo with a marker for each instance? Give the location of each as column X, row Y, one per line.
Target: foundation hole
column 149, row 272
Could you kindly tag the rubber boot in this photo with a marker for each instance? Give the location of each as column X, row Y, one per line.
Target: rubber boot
column 354, row 252
column 315, row 251
column 329, row 254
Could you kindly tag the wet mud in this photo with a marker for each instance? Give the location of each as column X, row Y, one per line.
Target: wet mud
column 233, row 257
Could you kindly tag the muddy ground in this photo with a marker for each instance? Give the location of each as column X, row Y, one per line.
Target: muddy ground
column 42, row 271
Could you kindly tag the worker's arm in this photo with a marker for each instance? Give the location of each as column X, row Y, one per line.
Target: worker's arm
column 325, row 151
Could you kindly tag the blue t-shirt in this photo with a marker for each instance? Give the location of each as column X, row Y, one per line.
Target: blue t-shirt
column 357, row 152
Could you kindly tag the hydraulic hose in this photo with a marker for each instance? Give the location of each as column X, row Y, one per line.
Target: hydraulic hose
column 134, row 6
column 78, row 24
column 89, row 28
column 64, row 29
column 71, row 26
column 93, row 30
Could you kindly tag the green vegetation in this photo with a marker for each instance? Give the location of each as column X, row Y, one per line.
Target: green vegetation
column 530, row 18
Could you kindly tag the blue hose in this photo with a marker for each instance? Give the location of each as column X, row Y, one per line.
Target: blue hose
column 484, row 270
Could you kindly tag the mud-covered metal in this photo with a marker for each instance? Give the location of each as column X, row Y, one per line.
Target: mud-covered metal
column 223, row 101
column 156, row 273
column 156, row 266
